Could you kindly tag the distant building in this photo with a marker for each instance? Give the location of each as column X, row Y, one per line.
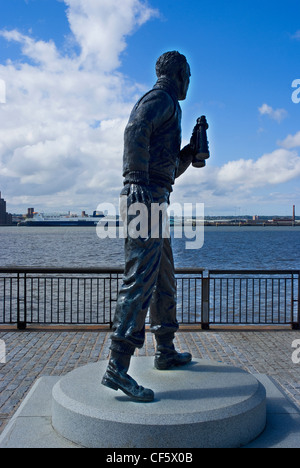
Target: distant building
column 5, row 218
column 30, row 213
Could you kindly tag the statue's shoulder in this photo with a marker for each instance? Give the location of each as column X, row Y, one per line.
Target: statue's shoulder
column 158, row 96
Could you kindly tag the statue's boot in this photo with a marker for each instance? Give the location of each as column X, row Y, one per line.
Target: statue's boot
column 166, row 355
column 116, row 378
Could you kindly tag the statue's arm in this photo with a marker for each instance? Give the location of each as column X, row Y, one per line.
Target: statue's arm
column 185, row 160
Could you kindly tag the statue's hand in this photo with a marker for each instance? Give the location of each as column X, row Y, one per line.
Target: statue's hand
column 188, row 151
column 140, row 193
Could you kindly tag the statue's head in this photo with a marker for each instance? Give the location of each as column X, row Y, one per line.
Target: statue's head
column 175, row 67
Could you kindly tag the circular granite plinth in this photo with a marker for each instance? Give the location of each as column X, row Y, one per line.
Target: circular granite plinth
column 204, row 404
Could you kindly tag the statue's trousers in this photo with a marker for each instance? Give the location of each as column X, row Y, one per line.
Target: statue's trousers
column 149, row 283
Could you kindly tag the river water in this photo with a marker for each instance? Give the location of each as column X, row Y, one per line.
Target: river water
column 224, row 248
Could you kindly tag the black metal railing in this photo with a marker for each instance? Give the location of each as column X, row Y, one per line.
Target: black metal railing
column 87, row 296
column 58, row 295
column 80, row 296
column 254, row 297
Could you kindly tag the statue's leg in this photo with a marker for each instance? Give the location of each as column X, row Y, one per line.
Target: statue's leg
column 141, row 269
column 163, row 313
column 163, row 303
column 139, row 280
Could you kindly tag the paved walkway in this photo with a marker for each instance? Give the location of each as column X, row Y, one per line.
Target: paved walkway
column 33, row 354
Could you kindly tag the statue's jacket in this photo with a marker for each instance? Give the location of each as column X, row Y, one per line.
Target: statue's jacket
column 152, row 139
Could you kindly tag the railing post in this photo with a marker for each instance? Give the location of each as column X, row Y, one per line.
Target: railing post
column 296, row 325
column 21, row 324
column 110, row 302
column 298, row 299
column 205, row 303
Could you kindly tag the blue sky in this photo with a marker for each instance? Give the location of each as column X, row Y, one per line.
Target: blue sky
column 74, row 68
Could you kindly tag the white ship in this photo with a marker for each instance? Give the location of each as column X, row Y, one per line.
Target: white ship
column 56, row 219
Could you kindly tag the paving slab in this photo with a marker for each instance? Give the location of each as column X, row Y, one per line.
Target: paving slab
column 31, row 426
column 283, row 419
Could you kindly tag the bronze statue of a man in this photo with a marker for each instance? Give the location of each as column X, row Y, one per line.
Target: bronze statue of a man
column 152, row 160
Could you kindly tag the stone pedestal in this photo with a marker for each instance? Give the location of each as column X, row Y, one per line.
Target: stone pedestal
column 205, row 404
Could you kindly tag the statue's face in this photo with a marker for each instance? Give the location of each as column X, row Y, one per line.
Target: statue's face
column 184, row 82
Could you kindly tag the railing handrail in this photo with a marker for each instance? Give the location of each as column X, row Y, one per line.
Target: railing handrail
column 83, row 270
column 254, row 272
column 61, row 270
column 120, row 270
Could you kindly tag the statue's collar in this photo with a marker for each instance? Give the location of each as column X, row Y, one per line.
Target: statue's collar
column 167, row 85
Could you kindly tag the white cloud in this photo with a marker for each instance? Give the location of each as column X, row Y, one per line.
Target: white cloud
column 41, row 52
column 240, row 183
column 274, row 168
column 101, row 28
column 62, row 125
column 275, row 114
column 291, row 141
